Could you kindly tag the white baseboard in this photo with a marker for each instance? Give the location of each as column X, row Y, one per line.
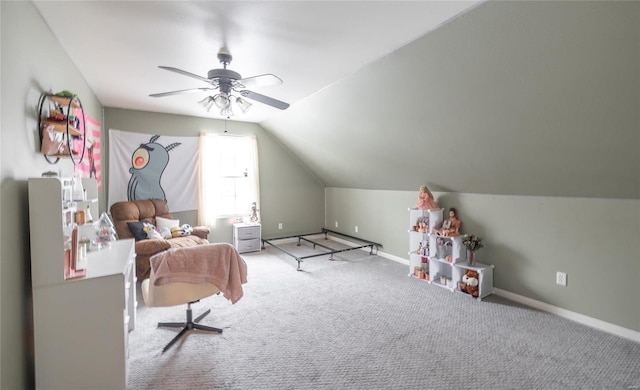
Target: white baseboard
column 577, row 317
column 394, row 258
column 573, row 316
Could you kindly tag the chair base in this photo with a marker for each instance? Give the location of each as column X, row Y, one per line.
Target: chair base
column 188, row 325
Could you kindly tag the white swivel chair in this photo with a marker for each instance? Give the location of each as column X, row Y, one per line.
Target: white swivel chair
column 178, row 293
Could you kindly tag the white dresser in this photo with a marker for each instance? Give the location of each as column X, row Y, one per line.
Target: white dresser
column 247, row 237
column 81, row 322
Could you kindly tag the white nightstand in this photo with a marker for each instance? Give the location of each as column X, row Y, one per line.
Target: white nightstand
column 247, row 237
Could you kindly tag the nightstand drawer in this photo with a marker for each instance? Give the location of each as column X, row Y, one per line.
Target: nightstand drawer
column 247, row 245
column 248, row 232
column 247, row 237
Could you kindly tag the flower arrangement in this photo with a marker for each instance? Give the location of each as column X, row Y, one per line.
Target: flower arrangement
column 472, row 242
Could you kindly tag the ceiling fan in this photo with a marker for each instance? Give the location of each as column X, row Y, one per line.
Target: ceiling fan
column 226, row 81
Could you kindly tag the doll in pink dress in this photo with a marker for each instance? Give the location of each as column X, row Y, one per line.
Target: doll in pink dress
column 425, row 199
column 451, row 226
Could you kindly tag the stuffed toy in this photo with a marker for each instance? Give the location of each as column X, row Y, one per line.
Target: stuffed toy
column 470, row 283
column 151, row 231
column 181, row 231
column 165, row 232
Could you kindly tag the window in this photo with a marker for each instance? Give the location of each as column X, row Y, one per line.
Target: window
column 228, row 176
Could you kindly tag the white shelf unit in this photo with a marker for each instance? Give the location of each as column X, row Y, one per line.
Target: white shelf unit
column 247, row 237
column 445, row 256
column 421, row 240
column 81, row 324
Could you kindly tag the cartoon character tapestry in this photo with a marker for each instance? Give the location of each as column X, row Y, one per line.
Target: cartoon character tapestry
column 147, row 166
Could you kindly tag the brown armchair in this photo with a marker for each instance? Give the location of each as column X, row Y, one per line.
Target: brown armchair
column 147, row 210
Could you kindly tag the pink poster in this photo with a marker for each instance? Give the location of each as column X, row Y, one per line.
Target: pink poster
column 90, row 165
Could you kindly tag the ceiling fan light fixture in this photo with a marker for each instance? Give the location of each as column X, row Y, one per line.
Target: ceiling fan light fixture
column 227, row 111
column 243, row 104
column 207, row 103
column 222, row 100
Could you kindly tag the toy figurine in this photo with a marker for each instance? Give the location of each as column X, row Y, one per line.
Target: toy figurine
column 425, row 199
column 253, row 217
column 451, row 226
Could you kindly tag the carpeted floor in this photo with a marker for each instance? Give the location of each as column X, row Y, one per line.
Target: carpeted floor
column 359, row 322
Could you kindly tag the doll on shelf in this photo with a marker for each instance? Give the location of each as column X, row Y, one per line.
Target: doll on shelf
column 425, row 199
column 451, row 226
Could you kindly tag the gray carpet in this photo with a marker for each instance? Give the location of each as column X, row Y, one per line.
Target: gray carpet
column 359, row 322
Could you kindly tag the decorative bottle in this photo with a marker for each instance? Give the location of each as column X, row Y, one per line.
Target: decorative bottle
column 78, row 190
column 87, row 215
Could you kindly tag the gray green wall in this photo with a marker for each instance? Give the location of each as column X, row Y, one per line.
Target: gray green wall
column 32, row 63
column 532, row 98
column 528, row 239
column 288, row 193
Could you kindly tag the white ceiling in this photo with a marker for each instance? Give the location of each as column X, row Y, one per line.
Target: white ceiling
column 118, row 45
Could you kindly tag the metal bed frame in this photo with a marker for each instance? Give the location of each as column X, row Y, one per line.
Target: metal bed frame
column 330, row 251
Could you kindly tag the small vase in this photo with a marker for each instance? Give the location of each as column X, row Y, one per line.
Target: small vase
column 470, row 257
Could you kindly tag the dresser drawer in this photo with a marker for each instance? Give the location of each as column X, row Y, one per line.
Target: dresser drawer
column 248, row 232
column 247, row 245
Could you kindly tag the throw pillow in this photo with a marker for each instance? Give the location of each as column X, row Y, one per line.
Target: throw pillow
column 137, row 229
column 166, row 223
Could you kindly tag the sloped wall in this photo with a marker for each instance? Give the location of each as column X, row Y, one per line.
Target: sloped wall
column 513, row 98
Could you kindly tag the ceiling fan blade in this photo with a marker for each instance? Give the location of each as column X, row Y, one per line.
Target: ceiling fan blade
column 161, row 94
column 262, row 80
column 264, row 99
column 185, row 73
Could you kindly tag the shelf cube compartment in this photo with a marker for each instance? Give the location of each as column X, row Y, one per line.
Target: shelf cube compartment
column 439, row 269
column 485, row 277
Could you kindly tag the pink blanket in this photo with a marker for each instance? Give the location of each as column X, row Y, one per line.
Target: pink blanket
column 219, row 264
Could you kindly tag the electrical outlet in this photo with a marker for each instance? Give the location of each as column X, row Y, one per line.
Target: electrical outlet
column 336, row 223
column 561, row 278
column 280, row 226
column 356, row 229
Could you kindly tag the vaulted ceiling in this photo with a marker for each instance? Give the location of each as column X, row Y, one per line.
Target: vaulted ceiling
column 515, row 98
column 118, row 45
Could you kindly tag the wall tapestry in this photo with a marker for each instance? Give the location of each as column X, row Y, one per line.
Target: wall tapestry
column 144, row 166
column 90, row 165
